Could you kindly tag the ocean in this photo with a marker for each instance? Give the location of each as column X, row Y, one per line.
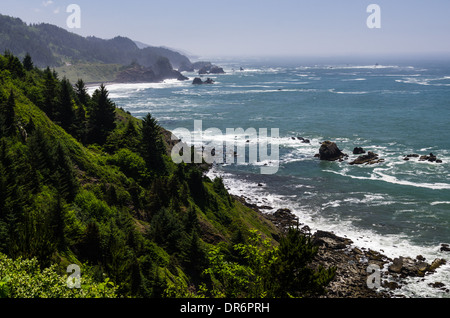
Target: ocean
column 392, row 108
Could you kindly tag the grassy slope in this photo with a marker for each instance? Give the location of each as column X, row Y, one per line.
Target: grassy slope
column 90, row 72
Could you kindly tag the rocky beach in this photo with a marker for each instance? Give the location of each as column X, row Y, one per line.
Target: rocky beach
column 356, row 266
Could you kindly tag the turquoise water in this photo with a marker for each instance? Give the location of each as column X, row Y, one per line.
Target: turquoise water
column 393, row 109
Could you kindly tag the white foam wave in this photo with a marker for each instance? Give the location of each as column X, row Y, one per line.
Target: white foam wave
column 425, row 81
column 439, row 202
column 354, row 79
column 378, row 175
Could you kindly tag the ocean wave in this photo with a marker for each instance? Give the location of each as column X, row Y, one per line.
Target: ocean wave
column 377, row 175
column 353, row 79
column 439, row 202
column 333, row 90
column 425, row 81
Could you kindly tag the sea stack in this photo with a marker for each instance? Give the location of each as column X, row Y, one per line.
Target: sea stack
column 329, row 151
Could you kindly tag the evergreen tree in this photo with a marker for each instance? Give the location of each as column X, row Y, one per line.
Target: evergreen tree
column 80, row 124
column 65, row 114
column 8, row 116
column 101, row 117
column 292, row 272
column 50, row 93
column 28, row 62
column 40, row 150
column 64, row 175
column 58, row 223
column 152, row 145
column 14, row 65
column 81, row 93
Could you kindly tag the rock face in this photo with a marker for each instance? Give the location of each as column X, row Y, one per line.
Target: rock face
column 370, row 158
column 329, row 151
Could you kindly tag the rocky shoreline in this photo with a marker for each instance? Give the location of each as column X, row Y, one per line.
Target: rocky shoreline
column 356, row 267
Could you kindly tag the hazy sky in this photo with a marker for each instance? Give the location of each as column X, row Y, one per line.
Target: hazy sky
column 256, row 27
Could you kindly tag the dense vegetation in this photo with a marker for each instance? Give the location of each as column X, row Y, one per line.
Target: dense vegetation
column 83, row 182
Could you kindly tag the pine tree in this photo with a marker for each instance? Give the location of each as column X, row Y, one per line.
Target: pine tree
column 8, row 116
column 81, row 93
column 64, row 175
column 102, row 116
column 292, row 272
column 58, row 223
column 50, row 93
column 65, row 113
column 28, row 62
column 80, row 124
column 152, row 144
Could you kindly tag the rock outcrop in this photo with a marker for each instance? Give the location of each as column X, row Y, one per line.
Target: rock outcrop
column 198, row 81
column 329, row 151
column 140, row 74
column 358, row 151
column 408, row 267
column 370, row 158
column 211, row 69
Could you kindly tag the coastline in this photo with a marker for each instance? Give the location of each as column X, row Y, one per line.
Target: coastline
column 355, row 265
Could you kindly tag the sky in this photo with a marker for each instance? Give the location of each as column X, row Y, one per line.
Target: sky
column 213, row 28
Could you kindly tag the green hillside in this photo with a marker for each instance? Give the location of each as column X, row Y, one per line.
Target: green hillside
column 83, row 182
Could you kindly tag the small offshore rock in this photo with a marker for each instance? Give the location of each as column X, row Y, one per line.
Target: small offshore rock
column 329, row 151
column 358, row 151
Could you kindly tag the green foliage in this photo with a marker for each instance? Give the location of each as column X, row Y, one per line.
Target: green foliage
column 101, row 117
column 8, row 116
column 24, row 279
column 28, row 62
column 293, row 275
column 152, row 145
column 131, row 163
column 262, row 270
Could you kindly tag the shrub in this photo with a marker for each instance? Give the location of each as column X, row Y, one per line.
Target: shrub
column 24, row 279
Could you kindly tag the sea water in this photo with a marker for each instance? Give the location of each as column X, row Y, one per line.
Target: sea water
column 399, row 207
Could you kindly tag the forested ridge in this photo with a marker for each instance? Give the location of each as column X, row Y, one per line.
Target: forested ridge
column 54, row 46
column 83, row 182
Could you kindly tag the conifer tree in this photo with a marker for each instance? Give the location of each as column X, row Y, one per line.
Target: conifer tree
column 152, row 144
column 50, row 93
column 64, row 176
column 28, row 62
column 8, row 116
column 102, row 116
column 81, row 92
column 65, row 113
